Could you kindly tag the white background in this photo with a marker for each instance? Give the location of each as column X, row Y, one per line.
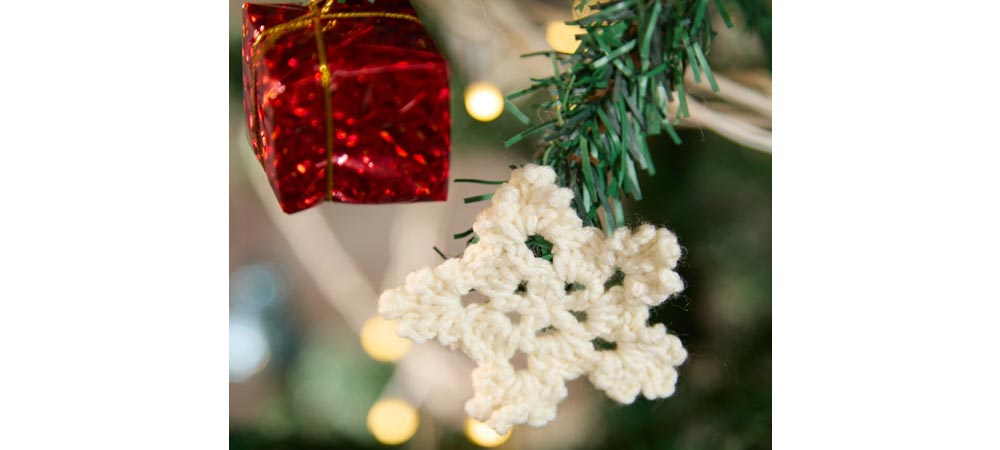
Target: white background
column 113, row 236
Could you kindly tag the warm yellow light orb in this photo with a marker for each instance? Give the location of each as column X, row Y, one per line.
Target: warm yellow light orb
column 482, row 435
column 562, row 37
column 483, row 101
column 380, row 341
column 392, row 421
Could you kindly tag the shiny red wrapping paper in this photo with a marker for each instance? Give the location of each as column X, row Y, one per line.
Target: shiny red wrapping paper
column 378, row 93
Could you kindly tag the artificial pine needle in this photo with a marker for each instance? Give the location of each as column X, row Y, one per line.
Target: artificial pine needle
column 604, row 100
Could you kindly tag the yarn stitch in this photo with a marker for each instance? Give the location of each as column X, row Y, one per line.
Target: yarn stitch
column 563, row 310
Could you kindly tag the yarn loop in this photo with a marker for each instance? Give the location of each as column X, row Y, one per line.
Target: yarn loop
column 581, row 309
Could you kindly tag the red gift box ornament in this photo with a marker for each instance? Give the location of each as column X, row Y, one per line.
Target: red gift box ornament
column 346, row 102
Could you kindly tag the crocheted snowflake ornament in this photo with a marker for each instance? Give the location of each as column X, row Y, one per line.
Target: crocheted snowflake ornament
column 566, row 314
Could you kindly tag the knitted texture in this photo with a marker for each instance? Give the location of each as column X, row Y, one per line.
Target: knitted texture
column 570, row 316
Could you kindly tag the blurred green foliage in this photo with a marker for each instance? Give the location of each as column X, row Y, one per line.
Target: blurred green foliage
column 716, row 196
column 757, row 20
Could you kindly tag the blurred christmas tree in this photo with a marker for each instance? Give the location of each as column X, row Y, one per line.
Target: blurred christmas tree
column 712, row 189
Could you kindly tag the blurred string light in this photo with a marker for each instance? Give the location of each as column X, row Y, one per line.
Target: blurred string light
column 562, row 37
column 248, row 348
column 392, row 421
column 380, row 341
column 254, row 287
column 483, row 101
column 482, row 435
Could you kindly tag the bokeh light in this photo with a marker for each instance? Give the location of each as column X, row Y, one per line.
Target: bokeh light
column 562, row 37
column 313, row 383
column 482, row 435
column 392, row 421
column 380, row 341
column 248, row 348
column 256, row 287
column 483, row 101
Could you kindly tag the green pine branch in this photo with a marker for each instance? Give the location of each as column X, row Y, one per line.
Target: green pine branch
column 612, row 93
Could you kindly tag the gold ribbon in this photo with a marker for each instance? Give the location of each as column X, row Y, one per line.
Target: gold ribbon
column 265, row 41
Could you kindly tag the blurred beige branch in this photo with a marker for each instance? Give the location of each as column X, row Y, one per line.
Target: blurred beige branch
column 474, row 31
column 316, row 246
column 427, row 368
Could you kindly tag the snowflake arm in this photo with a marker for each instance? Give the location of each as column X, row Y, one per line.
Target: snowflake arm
column 556, row 312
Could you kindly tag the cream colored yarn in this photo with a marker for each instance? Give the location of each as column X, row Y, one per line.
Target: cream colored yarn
column 546, row 327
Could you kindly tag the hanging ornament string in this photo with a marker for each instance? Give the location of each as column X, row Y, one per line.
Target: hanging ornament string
column 325, row 83
column 316, row 15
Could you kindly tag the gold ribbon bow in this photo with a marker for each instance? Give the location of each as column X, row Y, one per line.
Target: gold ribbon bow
column 316, row 15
